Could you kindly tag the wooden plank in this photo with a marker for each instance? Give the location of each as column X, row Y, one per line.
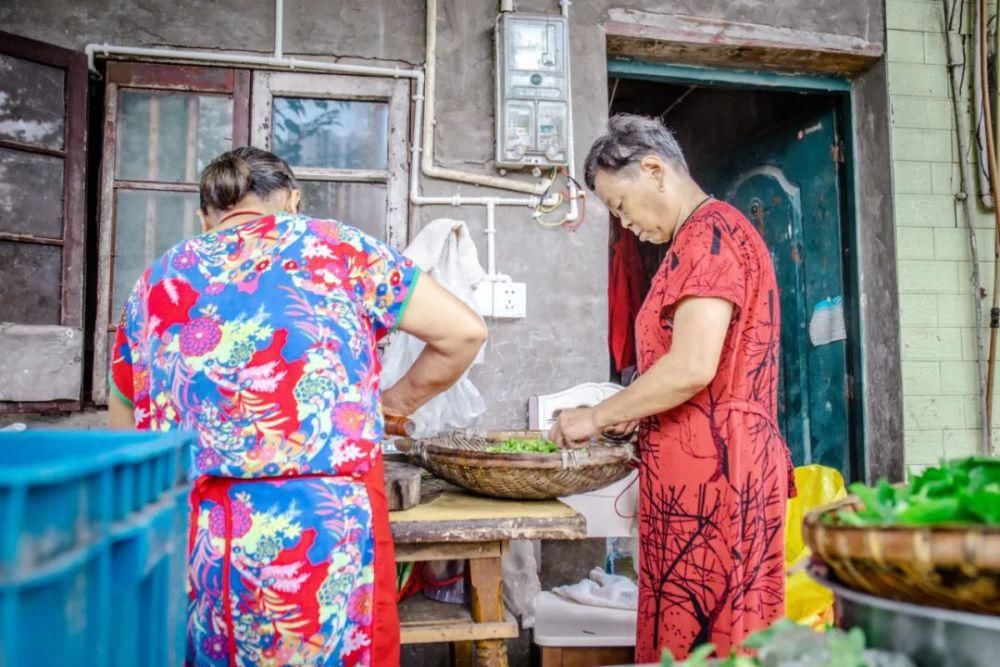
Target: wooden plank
column 709, row 41
column 106, row 231
column 464, row 517
column 486, row 601
column 30, row 238
column 31, row 148
column 461, row 654
column 39, row 52
column 424, row 621
column 402, row 485
column 406, row 553
column 75, row 193
column 153, row 174
column 191, row 226
column 241, row 107
column 188, row 78
column 159, row 187
column 486, row 584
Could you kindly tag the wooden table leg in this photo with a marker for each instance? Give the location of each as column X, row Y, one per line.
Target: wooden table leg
column 486, row 596
column 461, row 654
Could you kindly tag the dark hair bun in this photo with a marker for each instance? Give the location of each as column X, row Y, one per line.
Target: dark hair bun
column 237, row 173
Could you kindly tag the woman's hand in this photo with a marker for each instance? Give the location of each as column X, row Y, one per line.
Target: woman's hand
column 575, row 428
column 620, row 431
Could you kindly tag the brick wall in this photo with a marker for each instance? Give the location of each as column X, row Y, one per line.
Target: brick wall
column 941, row 414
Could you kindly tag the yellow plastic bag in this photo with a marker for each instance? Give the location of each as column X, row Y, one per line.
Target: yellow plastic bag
column 807, row 602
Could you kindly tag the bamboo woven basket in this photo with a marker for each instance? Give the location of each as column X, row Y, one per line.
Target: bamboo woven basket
column 948, row 566
column 461, row 459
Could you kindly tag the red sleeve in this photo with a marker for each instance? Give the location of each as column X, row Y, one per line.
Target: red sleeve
column 121, row 367
column 705, row 261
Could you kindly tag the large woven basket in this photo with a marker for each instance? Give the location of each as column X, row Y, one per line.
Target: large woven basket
column 462, row 459
column 948, row 566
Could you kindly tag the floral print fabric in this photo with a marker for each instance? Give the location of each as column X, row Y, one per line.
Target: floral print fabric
column 288, row 565
column 261, row 339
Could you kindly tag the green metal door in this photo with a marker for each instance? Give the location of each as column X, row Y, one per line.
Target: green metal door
column 787, row 182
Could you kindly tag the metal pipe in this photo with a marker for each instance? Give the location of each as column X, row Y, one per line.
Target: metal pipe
column 279, row 27
column 994, row 188
column 956, row 60
column 574, row 214
column 427, row 159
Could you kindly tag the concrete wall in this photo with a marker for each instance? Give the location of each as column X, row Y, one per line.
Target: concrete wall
column 940, row 388
column 562, row 342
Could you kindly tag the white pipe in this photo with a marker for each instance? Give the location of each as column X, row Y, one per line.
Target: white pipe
column 574, row 213
column 423, row 121
column 193, row 56
column 491, row 232
column 427, row 162
column 279, row 27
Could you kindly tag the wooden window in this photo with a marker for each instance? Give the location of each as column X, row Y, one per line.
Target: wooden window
column 345, row 137
column 43, row 119
column 162, row 125
column 346, row 140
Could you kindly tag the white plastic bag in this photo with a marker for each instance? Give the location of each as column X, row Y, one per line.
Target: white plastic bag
column 445, row 251
column 521, row 585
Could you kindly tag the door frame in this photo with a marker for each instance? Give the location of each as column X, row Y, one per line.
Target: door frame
column 859, row 318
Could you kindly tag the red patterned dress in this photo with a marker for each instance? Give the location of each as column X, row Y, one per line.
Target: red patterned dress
column 715, row 471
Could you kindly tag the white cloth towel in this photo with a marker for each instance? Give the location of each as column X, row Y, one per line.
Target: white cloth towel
column 602, row 590
column 445, row 243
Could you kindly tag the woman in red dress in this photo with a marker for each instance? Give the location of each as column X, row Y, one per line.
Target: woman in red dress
column 715, row 472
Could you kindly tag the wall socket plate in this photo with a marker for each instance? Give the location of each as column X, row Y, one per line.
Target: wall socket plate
column 502, row 300
column 510, row 301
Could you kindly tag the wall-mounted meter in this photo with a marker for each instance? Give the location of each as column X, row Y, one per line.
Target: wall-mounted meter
column 532, row 90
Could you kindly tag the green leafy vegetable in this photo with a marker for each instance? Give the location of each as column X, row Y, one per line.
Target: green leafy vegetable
column 966, row 491
column 524, row 446
column 788, row 644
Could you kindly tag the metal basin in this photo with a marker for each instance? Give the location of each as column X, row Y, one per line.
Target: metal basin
column 931, row 637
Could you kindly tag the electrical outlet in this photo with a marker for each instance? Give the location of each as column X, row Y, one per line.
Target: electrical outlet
column 510, row 301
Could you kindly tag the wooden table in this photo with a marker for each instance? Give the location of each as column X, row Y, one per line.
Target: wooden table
column 457, row 525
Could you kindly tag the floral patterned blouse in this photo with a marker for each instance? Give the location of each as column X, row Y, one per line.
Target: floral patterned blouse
column 261, row 339
column 279, row 386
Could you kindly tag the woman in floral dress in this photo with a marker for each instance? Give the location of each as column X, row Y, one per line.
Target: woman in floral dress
column 260, row 336
column 714, row 473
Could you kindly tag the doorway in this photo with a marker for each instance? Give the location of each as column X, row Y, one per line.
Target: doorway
column 778, row 155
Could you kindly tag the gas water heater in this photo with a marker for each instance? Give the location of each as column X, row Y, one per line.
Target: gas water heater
column 532, row 87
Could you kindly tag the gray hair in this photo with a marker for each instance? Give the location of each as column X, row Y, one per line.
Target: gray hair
column 629, row 139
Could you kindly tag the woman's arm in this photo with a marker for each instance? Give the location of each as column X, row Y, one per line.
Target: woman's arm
column 700, row 327
column 121, row 416
column 453, row 334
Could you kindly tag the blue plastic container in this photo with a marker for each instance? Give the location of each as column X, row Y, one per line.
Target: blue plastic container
column 93, row 532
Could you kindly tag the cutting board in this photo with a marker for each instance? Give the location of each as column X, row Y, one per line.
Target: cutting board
column 402, row 485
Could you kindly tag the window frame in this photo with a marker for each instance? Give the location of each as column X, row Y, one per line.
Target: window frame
column 268, row 84
column 122, row 75
column 74, row 206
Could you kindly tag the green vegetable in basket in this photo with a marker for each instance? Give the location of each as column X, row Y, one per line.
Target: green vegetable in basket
column 524, row 446
column 787, row 644
column 963, row 491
